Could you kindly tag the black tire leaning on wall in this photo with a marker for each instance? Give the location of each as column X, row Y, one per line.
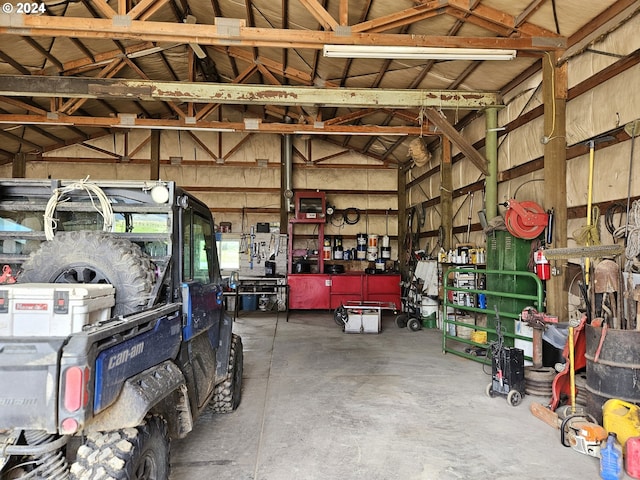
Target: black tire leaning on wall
column 94, row 257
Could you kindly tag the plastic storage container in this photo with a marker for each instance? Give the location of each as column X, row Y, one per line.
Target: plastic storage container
column 632, row 458
column 249, row 302
column 52, row 309
column 621, row 418
column 611, row 459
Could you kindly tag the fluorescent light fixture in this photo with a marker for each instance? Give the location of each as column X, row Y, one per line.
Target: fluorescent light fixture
column 416, row 53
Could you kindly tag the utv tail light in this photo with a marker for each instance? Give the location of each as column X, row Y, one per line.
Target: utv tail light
column 76, row 393
column 69, row 426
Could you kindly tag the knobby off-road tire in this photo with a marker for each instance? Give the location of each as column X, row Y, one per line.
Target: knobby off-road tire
column 226, row 397
column 94, row 257
column 140, row 453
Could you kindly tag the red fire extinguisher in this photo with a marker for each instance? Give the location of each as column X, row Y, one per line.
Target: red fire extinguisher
column 542, row 266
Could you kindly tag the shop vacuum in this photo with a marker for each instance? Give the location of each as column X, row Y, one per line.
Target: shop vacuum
column 507, row 369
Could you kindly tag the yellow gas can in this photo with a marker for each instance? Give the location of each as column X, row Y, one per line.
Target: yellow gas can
column 621, row 418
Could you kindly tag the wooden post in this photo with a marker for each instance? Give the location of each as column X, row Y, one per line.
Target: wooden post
column 19, row 166
column 446, row 194
column 554, row 83
column 154, row 166
column 402, row 217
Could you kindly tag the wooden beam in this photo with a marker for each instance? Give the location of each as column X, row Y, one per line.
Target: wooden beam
column 98, row 28
column 323, row 17
column 602, row 24
column 143, row 5
column 501, row 19
column 462, row 143
column 17, row 65
column 216, row 126
column 103, row 7
column 399, row 19
column 527, row 12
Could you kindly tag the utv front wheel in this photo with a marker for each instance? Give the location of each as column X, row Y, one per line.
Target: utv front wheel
column 226, row 397
column 140, row 453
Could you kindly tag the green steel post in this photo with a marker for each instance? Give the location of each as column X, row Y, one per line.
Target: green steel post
column 491, row 152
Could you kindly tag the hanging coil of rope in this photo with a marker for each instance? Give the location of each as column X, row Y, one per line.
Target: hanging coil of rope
column 633, row 234
column 103, row 206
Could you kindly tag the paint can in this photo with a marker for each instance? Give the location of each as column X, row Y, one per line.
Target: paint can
column 361, row 239
column 380, row 265
column 338, row 253
column 361, row 252
column 386, row 252
column 326, row 252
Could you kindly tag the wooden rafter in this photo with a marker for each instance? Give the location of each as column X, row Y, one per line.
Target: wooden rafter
column 179, row 124
column 249, row 36
column 323, row 17
column 398, row 19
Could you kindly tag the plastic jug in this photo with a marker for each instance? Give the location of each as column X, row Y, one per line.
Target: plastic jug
column 621, row 418
column 632, row 459
column 611, row 459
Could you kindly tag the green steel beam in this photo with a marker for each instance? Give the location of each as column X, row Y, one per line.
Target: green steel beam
column 148, row 90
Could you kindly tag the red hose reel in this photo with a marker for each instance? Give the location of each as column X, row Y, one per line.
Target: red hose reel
column 525, row 219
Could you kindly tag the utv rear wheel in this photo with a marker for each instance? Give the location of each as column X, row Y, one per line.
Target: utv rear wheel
column 94, row 257
column 226, row 397
column 140, row 453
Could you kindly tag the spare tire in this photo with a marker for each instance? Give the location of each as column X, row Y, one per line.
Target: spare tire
column 94, row 257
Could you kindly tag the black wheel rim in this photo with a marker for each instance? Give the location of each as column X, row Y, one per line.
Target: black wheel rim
column 81, row 274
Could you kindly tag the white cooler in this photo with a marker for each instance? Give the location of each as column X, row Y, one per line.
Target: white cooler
column 52, row 309
column 361, row 320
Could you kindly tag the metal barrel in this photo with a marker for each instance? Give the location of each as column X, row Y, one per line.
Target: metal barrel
column 617, row 369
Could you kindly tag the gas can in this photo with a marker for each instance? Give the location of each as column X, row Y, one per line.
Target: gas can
column 621, row 418
column 611, row 459
column 632, row 459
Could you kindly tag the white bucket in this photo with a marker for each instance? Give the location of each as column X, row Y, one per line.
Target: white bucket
column 429, row 307
column 372, row 254
column 465, row 332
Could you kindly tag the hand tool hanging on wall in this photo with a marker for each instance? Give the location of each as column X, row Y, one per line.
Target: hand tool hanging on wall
column 251, row 249
column 593, row 251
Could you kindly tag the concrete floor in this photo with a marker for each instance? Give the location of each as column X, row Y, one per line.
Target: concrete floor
column 321, row 404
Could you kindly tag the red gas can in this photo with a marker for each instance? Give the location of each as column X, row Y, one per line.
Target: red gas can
column 632, row 459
